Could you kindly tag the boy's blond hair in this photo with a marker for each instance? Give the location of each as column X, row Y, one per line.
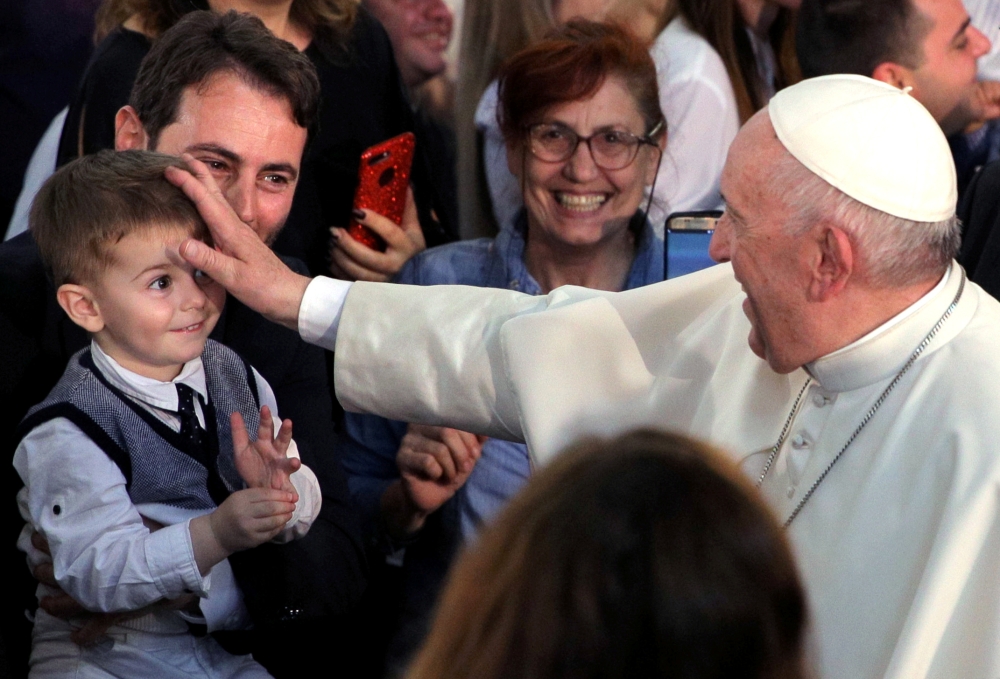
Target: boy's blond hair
column 95, row 201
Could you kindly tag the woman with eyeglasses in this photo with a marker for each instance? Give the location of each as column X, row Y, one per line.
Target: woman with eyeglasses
column 584, row 131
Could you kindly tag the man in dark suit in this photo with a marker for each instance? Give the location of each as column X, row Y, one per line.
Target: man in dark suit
column 224, row 90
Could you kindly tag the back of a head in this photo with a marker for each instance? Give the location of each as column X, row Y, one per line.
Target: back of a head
column 97, row 200
column 204, row 43
column 643, row 556
column 855, row 36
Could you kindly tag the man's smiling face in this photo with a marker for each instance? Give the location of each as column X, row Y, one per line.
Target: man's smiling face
column 249, row 141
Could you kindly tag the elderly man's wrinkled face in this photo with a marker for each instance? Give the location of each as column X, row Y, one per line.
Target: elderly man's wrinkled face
column 767, row 260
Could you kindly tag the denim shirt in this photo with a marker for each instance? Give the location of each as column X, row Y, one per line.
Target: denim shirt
column 372, row 442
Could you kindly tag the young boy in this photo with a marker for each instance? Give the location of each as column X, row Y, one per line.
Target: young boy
column 134, row 472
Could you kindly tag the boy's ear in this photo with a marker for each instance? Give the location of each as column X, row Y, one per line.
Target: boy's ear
column 79, row 304
column 129, row 132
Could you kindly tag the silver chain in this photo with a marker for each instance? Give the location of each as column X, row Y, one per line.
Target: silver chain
column 868, row 416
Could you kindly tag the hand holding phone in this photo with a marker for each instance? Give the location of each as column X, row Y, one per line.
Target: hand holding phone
column 383, row 177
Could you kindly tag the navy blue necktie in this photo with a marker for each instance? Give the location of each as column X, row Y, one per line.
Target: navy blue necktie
column 191, row 430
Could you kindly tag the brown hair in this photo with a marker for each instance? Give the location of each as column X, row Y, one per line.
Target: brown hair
column 849, row 36
column 333, row 18
column 204, row 43
column 641, row 556
column 99, row 199
column 720, row 23
column 571, row 63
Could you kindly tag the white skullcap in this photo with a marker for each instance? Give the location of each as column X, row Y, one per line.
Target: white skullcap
column 872, row 141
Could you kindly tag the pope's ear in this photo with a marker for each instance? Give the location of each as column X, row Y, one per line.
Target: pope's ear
column 79, row 304
column 894, row 74
column 129, row 132
column 834, row 265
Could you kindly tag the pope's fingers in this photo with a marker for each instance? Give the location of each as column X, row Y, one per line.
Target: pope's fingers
column 220, row 267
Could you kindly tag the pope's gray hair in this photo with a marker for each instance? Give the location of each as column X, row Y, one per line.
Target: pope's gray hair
column 893, row 252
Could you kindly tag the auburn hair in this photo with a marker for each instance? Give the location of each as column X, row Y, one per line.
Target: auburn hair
column 571, row 63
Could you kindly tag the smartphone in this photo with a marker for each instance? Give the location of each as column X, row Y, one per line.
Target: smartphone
column 383, row 175
column 685, row 242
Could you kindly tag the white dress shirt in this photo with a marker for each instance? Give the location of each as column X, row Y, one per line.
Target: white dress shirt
column 102, row 554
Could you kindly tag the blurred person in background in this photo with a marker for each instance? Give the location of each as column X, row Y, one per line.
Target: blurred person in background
column 645, row 555
column 363, row 103
column 719, row 61
column 584, row 134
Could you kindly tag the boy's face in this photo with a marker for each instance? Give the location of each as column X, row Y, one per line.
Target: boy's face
column 151, row 311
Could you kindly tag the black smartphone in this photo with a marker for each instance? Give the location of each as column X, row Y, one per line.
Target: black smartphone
column 685, row 242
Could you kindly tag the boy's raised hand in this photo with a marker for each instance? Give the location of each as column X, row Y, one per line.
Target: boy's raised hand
column 264, row 463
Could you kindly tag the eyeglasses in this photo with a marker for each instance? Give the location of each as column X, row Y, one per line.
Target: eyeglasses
column 610, row 149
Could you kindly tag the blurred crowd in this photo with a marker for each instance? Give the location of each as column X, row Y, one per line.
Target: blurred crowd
column 554, row 143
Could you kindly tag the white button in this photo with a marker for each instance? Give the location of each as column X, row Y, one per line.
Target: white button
column 799, row 441
column 791, row 491
column 819, row 400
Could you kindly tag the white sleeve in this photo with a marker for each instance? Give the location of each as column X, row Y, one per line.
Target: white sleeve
column 319, row 312
column 431, row 355
column 102, row 554
column 305, row 481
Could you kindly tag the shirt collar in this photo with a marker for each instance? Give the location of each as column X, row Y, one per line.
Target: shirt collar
column 883, row 351
column 647, row 267
column 146, row 389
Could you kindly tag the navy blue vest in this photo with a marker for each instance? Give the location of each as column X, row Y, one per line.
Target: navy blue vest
column 158, row 465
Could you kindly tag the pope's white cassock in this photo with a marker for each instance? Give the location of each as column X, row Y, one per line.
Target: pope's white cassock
column 899, row 546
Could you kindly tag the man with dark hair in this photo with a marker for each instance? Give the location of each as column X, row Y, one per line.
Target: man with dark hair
column 927, row 45
column 246, row 119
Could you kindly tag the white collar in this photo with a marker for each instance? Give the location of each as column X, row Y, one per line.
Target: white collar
column 883, row 351
column 146, row 389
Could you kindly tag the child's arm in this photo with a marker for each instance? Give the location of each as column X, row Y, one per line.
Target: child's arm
column 246, row 518
column 273, row 461
column 102, row 554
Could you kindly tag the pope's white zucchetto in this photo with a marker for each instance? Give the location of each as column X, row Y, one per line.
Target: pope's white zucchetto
column 874, row 142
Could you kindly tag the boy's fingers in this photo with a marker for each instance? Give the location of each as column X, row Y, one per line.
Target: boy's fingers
column 265, row 430
column 284, row 437
column 240, row 437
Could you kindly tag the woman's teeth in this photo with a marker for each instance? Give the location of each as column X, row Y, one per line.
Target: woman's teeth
column 581, row 203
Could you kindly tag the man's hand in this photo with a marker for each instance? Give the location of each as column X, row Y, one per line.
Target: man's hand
column 240, row 262
column 264, row 463
column 434, row 462
column 247, row 518
column 354, row 261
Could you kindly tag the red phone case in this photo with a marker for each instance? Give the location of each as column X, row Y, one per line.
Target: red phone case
column 383, row 176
